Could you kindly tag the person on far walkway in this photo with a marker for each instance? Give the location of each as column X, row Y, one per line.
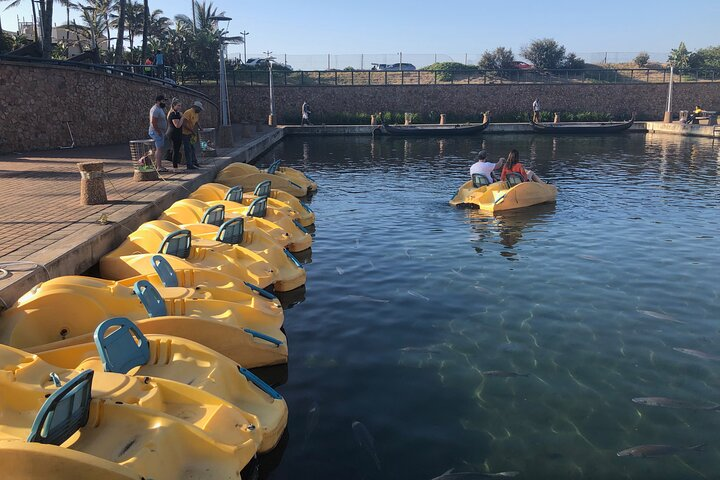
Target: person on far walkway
column 513, row 165
column 190, row 131
column 305, row 114
column 175, row 124
column 159, row 64
column 483, row 167
column 536, row 111
column 156, row 130
column 148, row 66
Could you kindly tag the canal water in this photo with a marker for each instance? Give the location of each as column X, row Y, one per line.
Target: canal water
column 412, row 306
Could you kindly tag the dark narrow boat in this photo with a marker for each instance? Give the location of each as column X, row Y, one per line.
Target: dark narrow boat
column 581, row 127
column 432, row 129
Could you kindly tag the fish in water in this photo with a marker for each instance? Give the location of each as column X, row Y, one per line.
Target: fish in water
column 674, row 403
column 365, row 440
column 450, row 475
column 503, row 373
column 697, row 353
column 659, row 316
column 363, row 298
column 645, row 451
column 416, row 294
column 340, row 270
column 312, row 421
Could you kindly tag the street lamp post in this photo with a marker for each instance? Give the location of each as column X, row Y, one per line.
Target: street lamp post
column 225, row 139
column 271, row 118
column 244, row 35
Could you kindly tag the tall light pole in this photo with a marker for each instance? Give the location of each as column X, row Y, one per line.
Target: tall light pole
column 244, row 34
column 271, row 118
column 225, row 130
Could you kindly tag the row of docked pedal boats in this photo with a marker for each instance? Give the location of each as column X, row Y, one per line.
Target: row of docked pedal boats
column 145, row 372
column 560, row 128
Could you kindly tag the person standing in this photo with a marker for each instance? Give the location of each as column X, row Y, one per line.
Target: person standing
column 305, row 114
column 159, row 64
column 148, row 66
column 190, row 129
column 156, row 130
column 536, row 111
column 175, row 123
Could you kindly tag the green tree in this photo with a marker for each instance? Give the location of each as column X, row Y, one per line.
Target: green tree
column 545, row 53
column 680, row 57
column 642, row 59
column 573, row 62
column 121, row 7
column 708, row 57
column 500, row 58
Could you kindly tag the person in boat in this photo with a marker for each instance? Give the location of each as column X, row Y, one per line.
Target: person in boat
column 536, row 111
column 697, row 112
column 497, row 172
column 513, row 165
column 483, row 167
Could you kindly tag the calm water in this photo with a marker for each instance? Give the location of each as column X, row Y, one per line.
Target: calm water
column 409, row 300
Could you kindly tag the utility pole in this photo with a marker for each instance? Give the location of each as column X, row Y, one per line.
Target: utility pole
column 244, row 34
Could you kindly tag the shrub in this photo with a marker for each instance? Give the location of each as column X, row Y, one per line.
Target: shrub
column 573, row 62
column 500, row 58
column 642, row 59
column 545, row 53
column 706, row 58
column 447, row 69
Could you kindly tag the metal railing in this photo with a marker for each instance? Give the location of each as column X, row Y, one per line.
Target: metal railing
column 260, row 77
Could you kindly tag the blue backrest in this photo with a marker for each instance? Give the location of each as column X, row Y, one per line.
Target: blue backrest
column 274, row 166
column 263, row 189
column 258, row 207
column 124, row 348
column 235, row 194
column 231, row 231
column 513, row 179
column 64, row 412
column 480, row 180
column 167, row 275
column 177, row 243
column 150, row 298
column 214, row 215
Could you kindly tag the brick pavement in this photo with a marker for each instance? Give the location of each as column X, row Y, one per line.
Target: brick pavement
column 40, row 207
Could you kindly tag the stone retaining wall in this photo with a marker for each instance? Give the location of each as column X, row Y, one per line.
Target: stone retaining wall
column 104, row 109
column 460, row 101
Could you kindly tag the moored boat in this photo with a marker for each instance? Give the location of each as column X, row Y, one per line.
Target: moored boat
column 581, row 127
column 427, row 130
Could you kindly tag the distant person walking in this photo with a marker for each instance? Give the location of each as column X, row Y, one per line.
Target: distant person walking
column 536, row 111
column 190, row 132
column 148, row 66
column 156, row 130
column 175, row 124
column 305, row 114
column 159, row 64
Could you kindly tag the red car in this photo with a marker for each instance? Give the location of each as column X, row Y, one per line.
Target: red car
column 522, row 65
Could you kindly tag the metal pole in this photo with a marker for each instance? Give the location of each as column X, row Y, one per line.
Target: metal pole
column 272, row 100
column 223, row 88
column 670, row 91
column 244, row 34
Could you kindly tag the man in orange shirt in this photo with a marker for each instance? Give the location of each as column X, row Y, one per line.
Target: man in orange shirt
column 190, row 129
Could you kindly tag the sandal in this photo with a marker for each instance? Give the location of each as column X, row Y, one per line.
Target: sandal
column 163, row 170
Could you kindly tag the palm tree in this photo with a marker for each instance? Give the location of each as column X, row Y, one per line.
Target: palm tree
column 120, row 31
column 202, row 12
column 15, row 3
column 146, row 20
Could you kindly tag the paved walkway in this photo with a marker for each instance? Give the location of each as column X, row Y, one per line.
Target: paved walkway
column 40, row 211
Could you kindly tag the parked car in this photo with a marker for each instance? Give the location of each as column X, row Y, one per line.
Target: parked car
column 393, row 67
column 522, row 65
column 263, row 63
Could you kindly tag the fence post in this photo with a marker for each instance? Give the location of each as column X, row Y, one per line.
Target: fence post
column 484, row 77
column 418, row 72
column 302, row 77
column 369, row 79
column 319, row 78
column 352, row 77
column 386, row 77
column 336, row 78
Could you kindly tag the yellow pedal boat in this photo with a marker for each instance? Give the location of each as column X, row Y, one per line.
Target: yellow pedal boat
column 236, row 177
column 126, row 350
column 506, row 195
column 56, row 314
column 31, row 379
column 276, row 198
column 275, row 168
column 152, row 238
column 97, row 432
column 287, row 232
column 223, row 236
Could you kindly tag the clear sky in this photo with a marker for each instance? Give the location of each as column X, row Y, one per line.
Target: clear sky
column 450, row 27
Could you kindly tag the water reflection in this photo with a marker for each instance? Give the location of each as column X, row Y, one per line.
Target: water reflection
column 507, row 228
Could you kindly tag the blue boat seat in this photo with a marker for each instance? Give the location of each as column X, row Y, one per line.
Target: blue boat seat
column 513, row 179
column 64, row 412
column 214, row 215
column 150, row 298
column 274, row 166
column 480, row 180
column 258, row 207
column 177, row 244
column 232, row 231
column 167, row 275
column 124, row 348
column 235, row 194
column 262, row 189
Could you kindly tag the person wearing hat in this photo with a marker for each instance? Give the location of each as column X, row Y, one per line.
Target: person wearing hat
column 191, row 128
column 305, row 114
column 156, row 130
column 482, row 166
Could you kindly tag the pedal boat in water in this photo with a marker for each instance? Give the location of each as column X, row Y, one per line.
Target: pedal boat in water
column 511, row 194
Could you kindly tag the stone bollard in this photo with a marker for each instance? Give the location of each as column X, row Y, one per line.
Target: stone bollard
column 272, row 121
column 667, row 118
column 92, row 184
column 486, row 116
column 442, row 119
column 557, row 118
column 408, row 118
column 373, row 121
